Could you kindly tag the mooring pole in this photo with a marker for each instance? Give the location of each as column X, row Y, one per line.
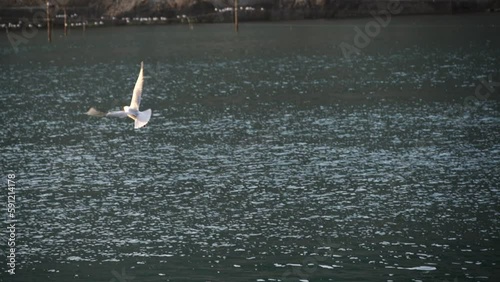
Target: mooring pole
column 236, row 15
column 49, row 31
column 65, row 23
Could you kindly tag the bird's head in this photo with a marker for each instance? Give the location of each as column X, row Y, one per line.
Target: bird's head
column 125, row 109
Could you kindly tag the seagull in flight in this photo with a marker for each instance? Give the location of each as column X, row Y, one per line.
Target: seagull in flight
column 132, row 111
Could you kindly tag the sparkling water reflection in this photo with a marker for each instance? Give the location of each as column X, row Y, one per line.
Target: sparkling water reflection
column 276, row 166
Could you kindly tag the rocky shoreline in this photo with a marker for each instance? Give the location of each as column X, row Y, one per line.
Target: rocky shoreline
column 17, row 13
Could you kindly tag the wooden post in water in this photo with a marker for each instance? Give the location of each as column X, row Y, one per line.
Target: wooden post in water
column 236, row 15
column 65, row 22
column 49, row 31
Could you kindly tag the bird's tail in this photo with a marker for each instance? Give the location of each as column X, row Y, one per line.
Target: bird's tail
column 142, row 118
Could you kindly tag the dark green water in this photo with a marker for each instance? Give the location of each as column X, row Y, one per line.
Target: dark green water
column 269, row 157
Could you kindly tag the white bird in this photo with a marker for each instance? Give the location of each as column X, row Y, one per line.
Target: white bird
column 132, row 111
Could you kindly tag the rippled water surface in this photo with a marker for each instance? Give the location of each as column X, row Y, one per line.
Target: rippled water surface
column 269, row 156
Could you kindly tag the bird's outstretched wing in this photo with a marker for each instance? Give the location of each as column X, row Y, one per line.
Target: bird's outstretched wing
column 120, row 114
column 136, row 96
column 142, row 118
